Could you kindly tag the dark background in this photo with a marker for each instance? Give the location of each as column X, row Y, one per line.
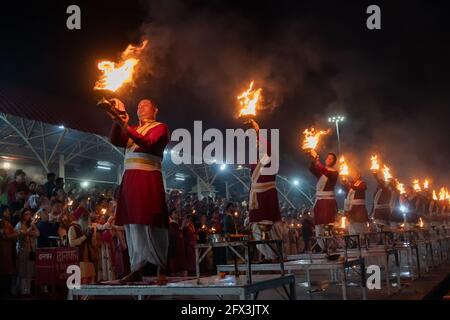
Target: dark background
column 312, row 58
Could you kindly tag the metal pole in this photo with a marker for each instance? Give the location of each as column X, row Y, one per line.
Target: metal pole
column 338, row 139
column 62, row 171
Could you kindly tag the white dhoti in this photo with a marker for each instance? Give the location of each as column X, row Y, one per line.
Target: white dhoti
column 357, row 228
column 276, row 233
column 146, row 244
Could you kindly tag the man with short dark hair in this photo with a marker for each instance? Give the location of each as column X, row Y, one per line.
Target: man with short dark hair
column 17, row 205
column 18, row 183
column 325, row 207
column 50, row 184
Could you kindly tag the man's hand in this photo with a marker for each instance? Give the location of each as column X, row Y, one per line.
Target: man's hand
column 313, row 154
column 123, row 118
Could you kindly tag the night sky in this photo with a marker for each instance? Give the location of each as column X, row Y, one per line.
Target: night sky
column 312, row 58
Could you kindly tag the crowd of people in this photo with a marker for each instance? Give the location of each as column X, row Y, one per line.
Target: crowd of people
column 40, row 215
column 35, row 215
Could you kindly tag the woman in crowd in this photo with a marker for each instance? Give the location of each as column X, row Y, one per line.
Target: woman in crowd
column 190, row 240
column 8, row 238
column 26, row 246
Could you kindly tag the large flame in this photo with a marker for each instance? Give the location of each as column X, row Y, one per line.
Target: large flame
column 312, row 138
column 442, row 193
column 375, row 166
column 343, row 167
column 387, row 173
column 426, row 184
column 416, row 185
column 401, row 188
column 434, row 195
column 343, row 222
column 249, row 100
column 115, row 75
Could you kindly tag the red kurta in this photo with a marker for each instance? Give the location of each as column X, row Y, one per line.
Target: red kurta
column 355, row 199
column 141, row 192
column 381, row 201
column 268, row 206
column 325, row 210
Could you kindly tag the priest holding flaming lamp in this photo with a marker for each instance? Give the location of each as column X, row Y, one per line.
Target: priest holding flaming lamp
column 355, row 201
column 263, row 197
column 141, row 207
column 325, row 206
column 381, row 211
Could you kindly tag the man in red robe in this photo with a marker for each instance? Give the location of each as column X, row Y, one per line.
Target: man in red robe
column 141, row 206
column 325, row 207
column 263, row 198
column 355, row 203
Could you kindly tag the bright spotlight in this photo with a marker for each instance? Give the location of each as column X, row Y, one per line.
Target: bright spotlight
column 6, row 165
column 223, row 167
column 61, row 127
column 340, row 191
column 84, row 184
column 296, row 182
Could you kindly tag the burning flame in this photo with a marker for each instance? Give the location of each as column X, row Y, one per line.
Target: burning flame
column 416, row 185
column 426, row 184
column 103, row 211
column 213, row 230
column 343, row 222
column 115, row 75
column 387, row 173
column 249, row 100
column 401, row 188
column 312, row 138
column 236, row 213
column 343, row 167
column 421, row 223
column 375, row 165
column 434, row 195
column 442, row 194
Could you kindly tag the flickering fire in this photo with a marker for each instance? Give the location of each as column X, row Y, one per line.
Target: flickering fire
column 421, row 223
column 442, row 194
column 249, row 100
column 312, row 138
column 236, row 213
column 343, row 222
column 70, row 202
column 434, row 195
column 401, row 188
column 212, row 230
column 375, row 165
column 343, row 167
column 103, row 211
column 115, row 75
column 426, row 184
column 387, row 173
column 416, row 185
